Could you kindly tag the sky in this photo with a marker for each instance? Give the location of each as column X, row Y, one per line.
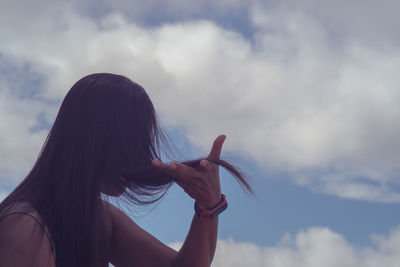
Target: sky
column 306, row 92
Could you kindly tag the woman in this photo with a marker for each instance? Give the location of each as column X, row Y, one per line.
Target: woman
column 106, row 139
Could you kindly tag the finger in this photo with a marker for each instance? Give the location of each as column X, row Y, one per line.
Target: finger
column 205, row 165
column 160, row 165
column 181, row 171
column 217, row 147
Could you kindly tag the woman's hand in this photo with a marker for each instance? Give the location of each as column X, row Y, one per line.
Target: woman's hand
column 201, row 182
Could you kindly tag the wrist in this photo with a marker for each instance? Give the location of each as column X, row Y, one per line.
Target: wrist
column 212, row 211
column 209, row 205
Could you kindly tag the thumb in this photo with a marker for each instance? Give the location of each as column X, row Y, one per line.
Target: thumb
column 217, row 147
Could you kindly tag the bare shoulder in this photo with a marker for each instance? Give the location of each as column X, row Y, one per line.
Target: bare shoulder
column 113, row 211
column 110, row 211
column 108, row 205
column 119, row 220
column 23, row 242
column 132, row 246
column 115, row 216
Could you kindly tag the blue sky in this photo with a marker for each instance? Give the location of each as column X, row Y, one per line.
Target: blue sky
column 306, row 92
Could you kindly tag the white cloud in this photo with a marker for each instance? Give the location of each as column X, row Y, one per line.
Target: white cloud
column 20, row 143
column 313, row 247
column 373, row 23
column 301, row 98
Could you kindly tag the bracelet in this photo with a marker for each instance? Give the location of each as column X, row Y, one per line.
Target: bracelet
column 212, row 212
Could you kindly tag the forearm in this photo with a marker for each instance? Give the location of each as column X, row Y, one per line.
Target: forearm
column 200, row 243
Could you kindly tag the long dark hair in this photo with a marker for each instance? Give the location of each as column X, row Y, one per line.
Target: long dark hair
column 106, row 128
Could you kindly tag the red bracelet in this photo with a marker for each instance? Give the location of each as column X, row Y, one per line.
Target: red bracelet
column 212, row 212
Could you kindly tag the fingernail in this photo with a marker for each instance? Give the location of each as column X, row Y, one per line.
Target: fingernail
column 156, row 162
column 204, row 163
column 172, row 166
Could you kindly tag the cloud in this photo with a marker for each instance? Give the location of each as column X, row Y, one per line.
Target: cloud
column 352, row 22
column 313, row 247
column 158, row 11
column 21, row 135
column 304, row 96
